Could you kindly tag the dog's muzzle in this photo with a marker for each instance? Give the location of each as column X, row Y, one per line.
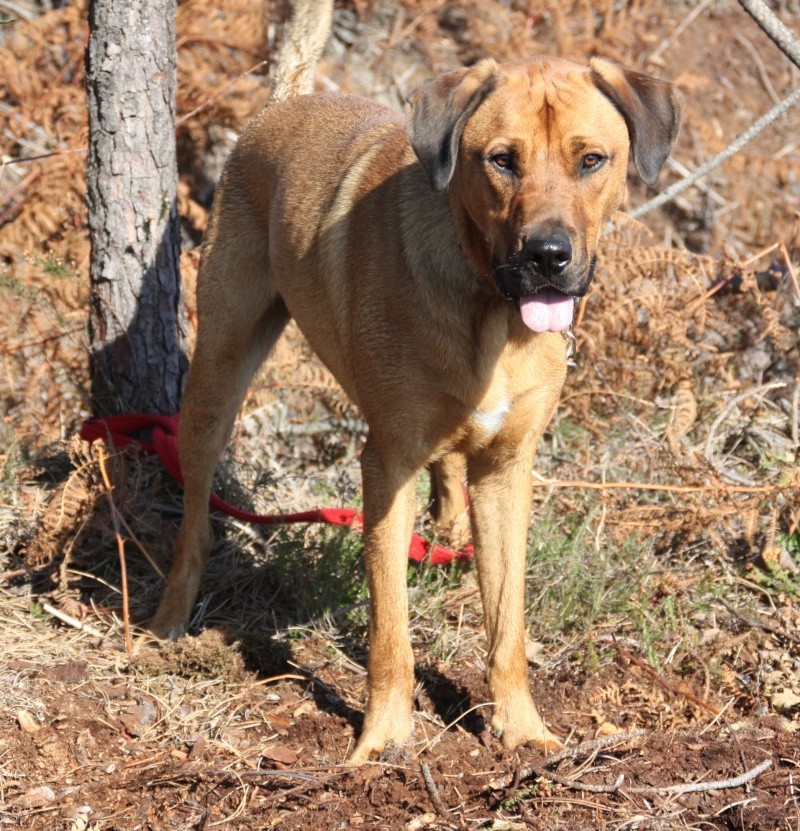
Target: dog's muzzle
column 545, row 279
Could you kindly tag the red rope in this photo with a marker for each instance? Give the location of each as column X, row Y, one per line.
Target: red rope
column 119, row 431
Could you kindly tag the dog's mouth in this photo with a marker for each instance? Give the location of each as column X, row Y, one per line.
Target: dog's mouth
column 548, row 310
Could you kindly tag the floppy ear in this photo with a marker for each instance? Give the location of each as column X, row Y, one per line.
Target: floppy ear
column 437, row 112
column 651, row 109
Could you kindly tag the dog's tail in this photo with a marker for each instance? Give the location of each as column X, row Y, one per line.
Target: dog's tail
column 302, row 45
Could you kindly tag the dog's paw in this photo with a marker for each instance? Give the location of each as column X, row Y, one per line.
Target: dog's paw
column 455, row 532
column 516, row 725
column 383, row 736
column 165, row 628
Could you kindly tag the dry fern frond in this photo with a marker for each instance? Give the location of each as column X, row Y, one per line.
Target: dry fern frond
column 70, row 506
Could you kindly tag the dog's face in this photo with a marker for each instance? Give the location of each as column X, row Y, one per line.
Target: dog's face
column 534, row 155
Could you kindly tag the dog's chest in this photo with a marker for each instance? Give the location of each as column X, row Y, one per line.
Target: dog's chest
column 488, row 419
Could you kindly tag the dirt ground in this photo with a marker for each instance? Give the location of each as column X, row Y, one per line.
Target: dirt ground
column 664, row 562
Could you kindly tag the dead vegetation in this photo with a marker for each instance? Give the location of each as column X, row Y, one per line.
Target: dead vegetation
column 664, row 592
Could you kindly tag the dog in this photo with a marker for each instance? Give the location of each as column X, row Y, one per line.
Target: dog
column 433, row 263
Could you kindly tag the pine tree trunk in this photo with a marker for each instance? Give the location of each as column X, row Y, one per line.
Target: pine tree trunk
column 137, row 320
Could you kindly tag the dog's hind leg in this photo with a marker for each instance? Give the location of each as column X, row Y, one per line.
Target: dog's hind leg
column 448, row 503
column 240, row 318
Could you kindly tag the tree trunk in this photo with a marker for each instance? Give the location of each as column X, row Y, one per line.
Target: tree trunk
column 136, row 319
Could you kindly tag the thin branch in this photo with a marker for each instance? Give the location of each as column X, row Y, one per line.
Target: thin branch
column 586, row 748
column 209, row 101
column 126, row 619
column 696, row 787
column 679, row 30
column 65, row 152
column 656, row 676
column 715, row 161
column 651, row 486
column 668, row 790
column 576, row 784
column 775, row 30
column 594, row 745
column 757, row 624
column 789, row 44
column 75, row 623
column 436, row 798
column 17, row 347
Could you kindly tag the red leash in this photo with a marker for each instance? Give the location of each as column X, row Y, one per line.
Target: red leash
column 119, row 431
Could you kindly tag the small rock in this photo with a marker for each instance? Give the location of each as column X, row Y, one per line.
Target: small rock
column 534, row 652
column 27, row 721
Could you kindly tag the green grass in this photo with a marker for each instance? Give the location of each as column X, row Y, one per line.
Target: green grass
column 571, row 584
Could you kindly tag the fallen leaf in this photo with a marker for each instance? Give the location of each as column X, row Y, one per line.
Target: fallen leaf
column 784, row 701
column 198, row 747
column 37, row 797
column 279, row 722
column 281, row 753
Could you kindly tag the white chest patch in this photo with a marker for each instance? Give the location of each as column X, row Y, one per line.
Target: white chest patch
column 490, row 421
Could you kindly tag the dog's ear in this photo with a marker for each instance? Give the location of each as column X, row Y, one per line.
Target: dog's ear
column 437, row 112
column 651, row 109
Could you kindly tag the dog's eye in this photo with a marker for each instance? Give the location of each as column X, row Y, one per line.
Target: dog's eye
column 592, row 161
column 502, row 161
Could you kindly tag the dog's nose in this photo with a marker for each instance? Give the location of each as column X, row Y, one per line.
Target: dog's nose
column 550, row 253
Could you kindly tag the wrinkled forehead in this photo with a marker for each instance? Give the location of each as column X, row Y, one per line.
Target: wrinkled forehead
column 549, row 98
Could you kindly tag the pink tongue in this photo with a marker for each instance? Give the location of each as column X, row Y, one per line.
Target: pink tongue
column 549, row 310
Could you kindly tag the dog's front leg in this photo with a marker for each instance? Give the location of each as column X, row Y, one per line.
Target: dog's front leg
column 500, row 499
column 388, row 522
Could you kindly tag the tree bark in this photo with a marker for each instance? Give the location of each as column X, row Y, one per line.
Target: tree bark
column 136, row 318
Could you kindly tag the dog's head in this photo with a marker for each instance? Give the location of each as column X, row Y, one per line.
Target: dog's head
column 534, row 156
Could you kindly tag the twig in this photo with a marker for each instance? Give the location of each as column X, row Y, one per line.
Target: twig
column 718, row 286
column 145, row 553
column 696, row 787
column 762, row 70
column 436, row 798
column 19, row 346
column 455, row 721
column 679, row 30
column 75, row 623
column 20, row 186
column 650, row 486
column 593, row 745
column 576, row 784
column 757, row 624
column 668, row 790
column 583, row 749
column 779, row 34
column 126, row 620
column 715, row 161
column 209, row 101
column 66, row 151
column 759, row 390
column 656, row 676
column 792, row 270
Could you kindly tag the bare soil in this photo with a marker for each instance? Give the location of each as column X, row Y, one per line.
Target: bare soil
column 671, row 609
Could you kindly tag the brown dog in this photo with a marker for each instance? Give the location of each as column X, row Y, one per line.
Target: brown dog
column 432, row 265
